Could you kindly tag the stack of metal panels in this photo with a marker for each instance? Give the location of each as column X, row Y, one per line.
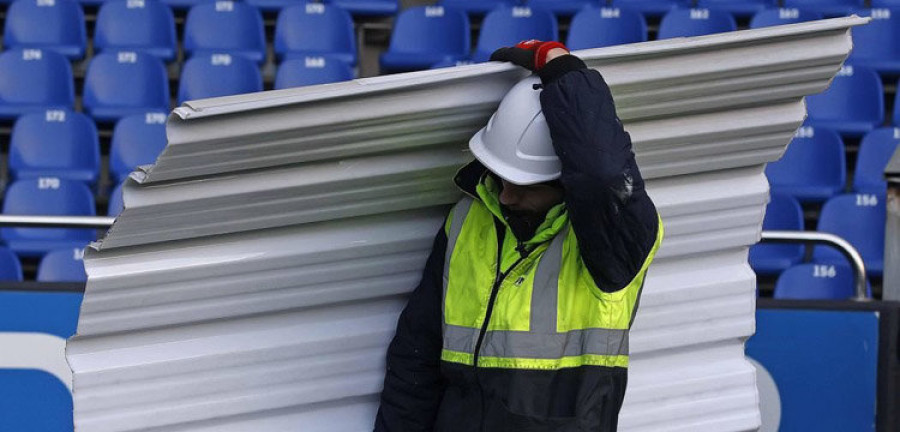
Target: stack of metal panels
column 254, row 279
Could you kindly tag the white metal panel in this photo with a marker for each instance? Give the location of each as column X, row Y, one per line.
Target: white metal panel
column 254, row 279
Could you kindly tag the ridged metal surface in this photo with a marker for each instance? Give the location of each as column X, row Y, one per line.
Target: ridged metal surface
column 254, row 279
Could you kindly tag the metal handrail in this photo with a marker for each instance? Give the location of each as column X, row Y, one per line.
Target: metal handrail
column 57, row 221
column 843, row 246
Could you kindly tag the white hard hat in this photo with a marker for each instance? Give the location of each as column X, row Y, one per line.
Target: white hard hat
column 516, row 144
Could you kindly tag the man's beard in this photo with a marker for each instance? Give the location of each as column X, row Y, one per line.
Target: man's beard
column 523, row 223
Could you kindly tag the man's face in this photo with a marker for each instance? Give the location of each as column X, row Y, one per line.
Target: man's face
column 533, row 199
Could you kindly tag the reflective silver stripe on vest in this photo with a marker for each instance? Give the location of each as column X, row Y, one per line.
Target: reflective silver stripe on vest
column 542, row 341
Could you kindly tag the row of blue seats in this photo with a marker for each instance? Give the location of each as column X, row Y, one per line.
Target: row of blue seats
column 126, row 82
column 355, row 7
column 58, row 265
column 857, row 218
column 149, row 26
column 429, row 35
column 813, row 281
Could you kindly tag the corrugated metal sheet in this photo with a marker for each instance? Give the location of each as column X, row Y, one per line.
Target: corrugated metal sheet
column 254, row 278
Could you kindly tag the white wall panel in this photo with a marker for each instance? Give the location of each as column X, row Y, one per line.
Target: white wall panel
column 254, row 279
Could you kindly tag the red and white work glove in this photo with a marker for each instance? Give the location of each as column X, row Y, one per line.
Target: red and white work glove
column 530, row 54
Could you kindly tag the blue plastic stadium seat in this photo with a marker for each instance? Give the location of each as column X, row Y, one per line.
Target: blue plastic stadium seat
column 563, row 7
column 47, row 196
column 311, row 71
column 477, row 7
column 46, row 24
column 816, row 281
column 368, row 7
column 62, row 265
column 877, row 44
column 739, row 8
column 60, row 144
column 600, row 27
column 774, row 17
column 184, row 4
column 890, row 4
column 122, row 83
column 274, row 5
column 782, row 213
column 225, row 27
column 34, row 401
column 426, row 35
column 315, row 29
column 853, row 105
column 507, row 26
column 218, row 75
column 137, row 140
column 652, row 7
column 828, row 8
column 695, row 22
column 813, row 168
column 136, row 25
column 875, row 152
column 34, row 81
column 10, row 267
column 859, row 219
column 115, row 204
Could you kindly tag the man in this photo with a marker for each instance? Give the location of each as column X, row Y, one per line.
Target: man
column 520, row 322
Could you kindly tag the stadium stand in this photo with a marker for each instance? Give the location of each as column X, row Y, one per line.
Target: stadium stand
column 137, row 140
column 874, row 44
column 425, row 35
column 310, row 71
column 315, row 29
column 180, row 5
column 62, row 265
column 273, row 5
column 115, row 205
column 890, row 4
column 10, row 267
column 477, row 7
column 875, row 150
column 652, row 8
column 814, row 281
column 562, row 7
column 56, row 25
column 859, row 219
column 738, row 8
column 47, row 196
column 136, row 25
column 695, row 22
column 828, row 8
column 121, row 83
column 225, row 26
column 600, row 27
column 218, row 75
column 33, row 80
column 813, row 169
column 782, row 16
column 507, row 26
column 368, row 7
column 61, row 144
column 852, row 106
column 782, row 213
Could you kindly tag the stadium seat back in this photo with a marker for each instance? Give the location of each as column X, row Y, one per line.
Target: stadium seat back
column 137, row 140
column 425, row 35
column 600, row 27
column 875, row 152
column 315, row 29
column 877, row 44
column 782, row 213
column 853, row 105
column 829, row 8
column 225, row 26
column 136, row 25
column 652, row 7
column 34, row 80
column 46, row 24
column 47, row 196
column 62, row 265
column 813, row 168
column 477, row 7
column 311, row 71
column 115, row 204
column 782, row 16
column 563, row 7
column 10, row 267
column 121, row 83
column 695, row 22
column 739, row 8
column 859, row 219
column 814, row 281
column 56, row 143
column 218, row 75
column 368, row 7
column 507, row 26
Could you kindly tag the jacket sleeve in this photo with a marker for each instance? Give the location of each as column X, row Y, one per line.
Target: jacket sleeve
column 413, row 384
column 614, row 220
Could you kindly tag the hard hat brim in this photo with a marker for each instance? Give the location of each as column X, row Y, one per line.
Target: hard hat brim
column 502, row 169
